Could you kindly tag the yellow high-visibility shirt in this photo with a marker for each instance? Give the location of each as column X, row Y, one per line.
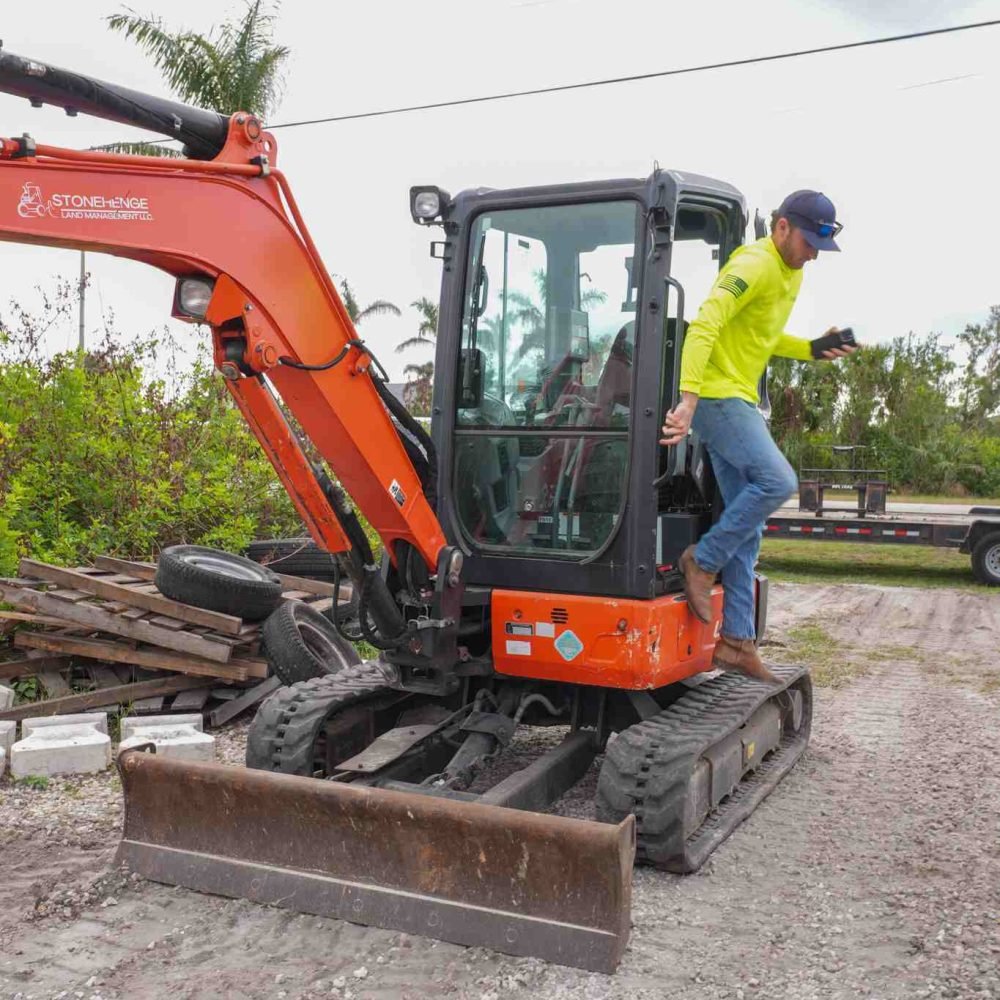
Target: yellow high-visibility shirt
column 741, row 325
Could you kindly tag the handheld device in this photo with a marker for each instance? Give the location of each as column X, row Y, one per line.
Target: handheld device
column 831, row 341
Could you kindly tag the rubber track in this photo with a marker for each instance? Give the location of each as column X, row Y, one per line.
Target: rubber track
column 648, row 767
column 286, row 727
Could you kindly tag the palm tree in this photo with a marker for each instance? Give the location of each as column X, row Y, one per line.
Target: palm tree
column 427, row 331
column 380, row 307
column 233, row 68
column 421, row 373
column 418, row 390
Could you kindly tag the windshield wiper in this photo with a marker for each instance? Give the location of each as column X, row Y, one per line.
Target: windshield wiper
column 477, row 292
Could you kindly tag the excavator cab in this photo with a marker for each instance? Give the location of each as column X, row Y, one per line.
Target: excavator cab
column 558, row 354
column 527, row 585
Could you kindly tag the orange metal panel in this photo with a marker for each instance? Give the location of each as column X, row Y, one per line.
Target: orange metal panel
column 603, row 641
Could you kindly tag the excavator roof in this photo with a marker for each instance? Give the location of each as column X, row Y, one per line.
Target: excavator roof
column 665, row 189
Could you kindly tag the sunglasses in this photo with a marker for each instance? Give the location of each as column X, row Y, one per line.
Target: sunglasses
column 827, row 229
column 822, row 229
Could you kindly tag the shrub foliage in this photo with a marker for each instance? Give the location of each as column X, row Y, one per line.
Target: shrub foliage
column 99, row 455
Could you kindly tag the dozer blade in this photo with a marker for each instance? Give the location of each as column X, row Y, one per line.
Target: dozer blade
column 519, row 882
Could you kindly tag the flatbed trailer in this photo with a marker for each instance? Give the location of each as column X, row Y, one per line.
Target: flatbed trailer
column 976, row 533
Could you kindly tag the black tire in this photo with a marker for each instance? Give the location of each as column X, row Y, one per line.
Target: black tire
column 217, row 581
column 300, row 643
column 986, row 559
column 293, row 557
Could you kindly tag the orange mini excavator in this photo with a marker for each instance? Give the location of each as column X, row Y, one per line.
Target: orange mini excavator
column 526, row 598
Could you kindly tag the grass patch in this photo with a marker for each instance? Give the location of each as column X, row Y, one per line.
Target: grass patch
column 913, row 654
column 991, row 685
column 829, row 660
column 963, row 672
column 36, row 781
column 861, row 562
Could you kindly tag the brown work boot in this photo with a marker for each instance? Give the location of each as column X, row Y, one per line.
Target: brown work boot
column 742, row 655
column 698, row 585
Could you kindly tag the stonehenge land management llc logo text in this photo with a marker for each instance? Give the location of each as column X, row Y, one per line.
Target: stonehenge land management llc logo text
column 117, row 208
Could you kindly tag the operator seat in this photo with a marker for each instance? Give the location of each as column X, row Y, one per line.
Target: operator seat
column 486, row 473
column 615, row 384
column 602, row 464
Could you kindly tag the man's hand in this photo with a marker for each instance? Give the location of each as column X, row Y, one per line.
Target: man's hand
column 837, row 352
column 677, row 422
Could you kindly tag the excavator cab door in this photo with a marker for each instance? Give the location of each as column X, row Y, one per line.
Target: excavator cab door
column 539, row 464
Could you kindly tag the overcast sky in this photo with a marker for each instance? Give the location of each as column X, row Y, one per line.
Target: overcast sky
column 896, row 135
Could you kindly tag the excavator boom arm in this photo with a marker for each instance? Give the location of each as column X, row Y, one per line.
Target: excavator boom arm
column 275, row 315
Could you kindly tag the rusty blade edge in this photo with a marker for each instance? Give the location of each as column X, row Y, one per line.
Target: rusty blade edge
column 593, row 949
column 479, row 854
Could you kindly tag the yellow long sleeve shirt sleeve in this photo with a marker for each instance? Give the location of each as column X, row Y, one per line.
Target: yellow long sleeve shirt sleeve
column 740, row 325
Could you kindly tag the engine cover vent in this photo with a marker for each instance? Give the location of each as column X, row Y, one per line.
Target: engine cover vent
column 560, row 616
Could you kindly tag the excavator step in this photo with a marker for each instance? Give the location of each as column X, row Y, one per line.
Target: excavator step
column 692, row 773
column 523, row 883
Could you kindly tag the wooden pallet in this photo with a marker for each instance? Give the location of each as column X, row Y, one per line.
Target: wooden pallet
column 115, row 651
column 80, row 607
column 124, row 694
column 118, row 597
column 112, row 613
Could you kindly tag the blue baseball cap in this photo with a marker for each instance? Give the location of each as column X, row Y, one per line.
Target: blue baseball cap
column 815, row 215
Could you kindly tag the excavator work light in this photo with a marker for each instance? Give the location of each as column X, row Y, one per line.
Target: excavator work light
column 193, row 296
column 427, row 204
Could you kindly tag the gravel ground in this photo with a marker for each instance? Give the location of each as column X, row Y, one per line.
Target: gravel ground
column 872, row 871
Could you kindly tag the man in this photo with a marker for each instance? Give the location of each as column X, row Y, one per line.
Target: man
column 738, row 328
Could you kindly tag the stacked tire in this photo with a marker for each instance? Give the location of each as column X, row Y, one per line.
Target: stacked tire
column 300, row 643
column 217, row 581
column 293, row 557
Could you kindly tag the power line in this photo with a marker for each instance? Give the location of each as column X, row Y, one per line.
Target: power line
column 639, row 76
column 753, row 60
column 945, row 79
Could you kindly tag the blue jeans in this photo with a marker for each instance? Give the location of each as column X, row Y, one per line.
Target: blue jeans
column 755, row 480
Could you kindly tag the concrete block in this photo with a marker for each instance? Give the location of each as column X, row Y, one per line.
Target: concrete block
column 170, row 736
column 6, row 698
column 8, row 733
column 78, row 748
column 132, row 723
column 96, row 720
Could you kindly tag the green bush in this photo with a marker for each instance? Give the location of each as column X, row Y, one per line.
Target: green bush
column 98, row 457
column 926, row 420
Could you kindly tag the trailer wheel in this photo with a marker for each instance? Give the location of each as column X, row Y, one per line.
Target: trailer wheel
column 301, row 643
column 217, row 581
column 986, row 559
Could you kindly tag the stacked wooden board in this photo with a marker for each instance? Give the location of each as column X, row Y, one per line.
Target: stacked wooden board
column 108, row 625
